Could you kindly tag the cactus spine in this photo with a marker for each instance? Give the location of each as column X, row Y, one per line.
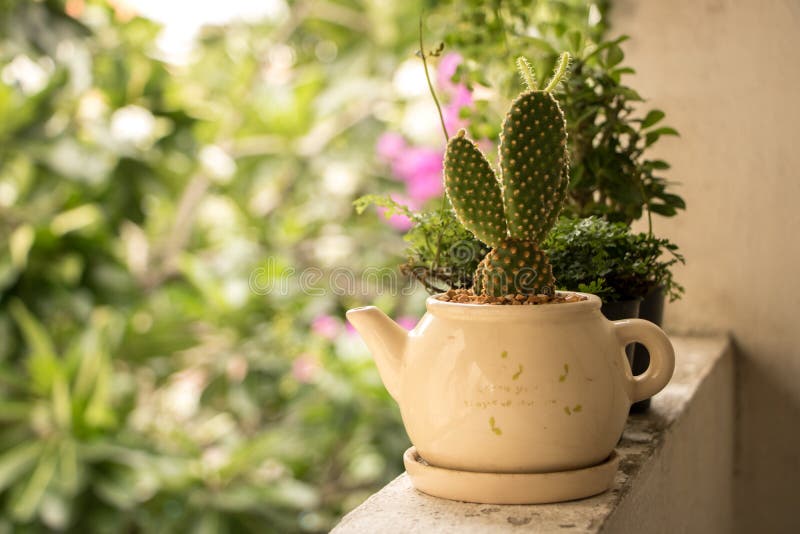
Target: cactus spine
column 514, row 212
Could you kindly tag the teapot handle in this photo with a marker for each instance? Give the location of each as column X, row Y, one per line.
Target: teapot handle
column 662, row 356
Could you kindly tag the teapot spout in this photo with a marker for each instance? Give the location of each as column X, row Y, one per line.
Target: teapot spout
column 386, row 341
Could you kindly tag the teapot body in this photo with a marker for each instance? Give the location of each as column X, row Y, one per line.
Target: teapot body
column 510, row 389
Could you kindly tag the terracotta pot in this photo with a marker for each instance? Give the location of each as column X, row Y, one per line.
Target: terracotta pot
column 514, row 389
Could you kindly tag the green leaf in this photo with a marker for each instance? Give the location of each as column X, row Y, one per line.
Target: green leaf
column 575, row 41
column 614, row 55
column 75, row 219
column 208, row 523
column 663, row 209
column 673, row 200
column 653, row 135
column 658, row 164
column 36, row 337
column 14, row 411
column 87, row 352
column 61, row 402
column 68, row 466
column 43, row 363
column 605, row 45
column 25, row 504
column 382, row 201
column 629, row 93
column 99, row 412
column 17, row 461
column 20, row 244
column 622, row 70
column 653, row 117
column 542, row 45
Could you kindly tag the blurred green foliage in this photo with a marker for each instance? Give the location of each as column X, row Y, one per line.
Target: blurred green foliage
column 149, row 380
column 144, row 384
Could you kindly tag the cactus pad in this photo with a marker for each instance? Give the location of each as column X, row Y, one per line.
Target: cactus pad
column 533, row 156
column 474, row 191
column 477, row 279
column 517, row 266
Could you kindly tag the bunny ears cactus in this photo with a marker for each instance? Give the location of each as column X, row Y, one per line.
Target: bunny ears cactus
column 514, row 212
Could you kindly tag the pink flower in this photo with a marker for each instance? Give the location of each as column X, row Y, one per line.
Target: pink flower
column 326, row 326
column 398, row 220
column 406, row 321
column 456, row 94
column 487, row 146
column 462, row 98
column 421, row 169
column 304, row 368
column 390, row 145
column 447, row 69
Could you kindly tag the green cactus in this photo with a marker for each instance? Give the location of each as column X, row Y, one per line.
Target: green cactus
column 514, row 212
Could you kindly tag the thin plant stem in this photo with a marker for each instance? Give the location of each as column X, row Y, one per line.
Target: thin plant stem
column 430, row 84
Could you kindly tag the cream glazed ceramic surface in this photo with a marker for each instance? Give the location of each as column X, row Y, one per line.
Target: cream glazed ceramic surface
column 510, row 488
column 514, row 389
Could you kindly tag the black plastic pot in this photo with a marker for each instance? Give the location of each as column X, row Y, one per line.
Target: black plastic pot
column 651, row 309
column 625, row 309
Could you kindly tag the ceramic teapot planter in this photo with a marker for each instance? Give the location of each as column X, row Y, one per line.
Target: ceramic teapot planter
column 512, row 404
column 505, row 403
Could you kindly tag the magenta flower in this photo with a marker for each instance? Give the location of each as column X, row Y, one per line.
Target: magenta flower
column 350, row 329
column 461, row 98
column 487, row 146
column 457, row 94
column 326, row 326
column 406, row 321
column 421, row 169
column 398, row 220
column 447, row 69
column 390, row 146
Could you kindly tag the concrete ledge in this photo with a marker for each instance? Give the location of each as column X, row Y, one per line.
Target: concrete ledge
column 675, row 471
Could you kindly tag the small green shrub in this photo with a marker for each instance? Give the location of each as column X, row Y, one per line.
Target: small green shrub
column 607, row 259
column 441, row 253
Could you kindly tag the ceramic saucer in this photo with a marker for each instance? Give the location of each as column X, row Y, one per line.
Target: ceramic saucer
column 509, row 488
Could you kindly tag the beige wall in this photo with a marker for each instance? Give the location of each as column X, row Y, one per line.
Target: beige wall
column 728, row 75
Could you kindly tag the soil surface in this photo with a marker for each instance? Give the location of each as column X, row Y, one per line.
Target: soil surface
column 466, row 296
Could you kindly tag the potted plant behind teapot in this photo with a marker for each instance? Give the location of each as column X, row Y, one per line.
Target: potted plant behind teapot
column 512, row 392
